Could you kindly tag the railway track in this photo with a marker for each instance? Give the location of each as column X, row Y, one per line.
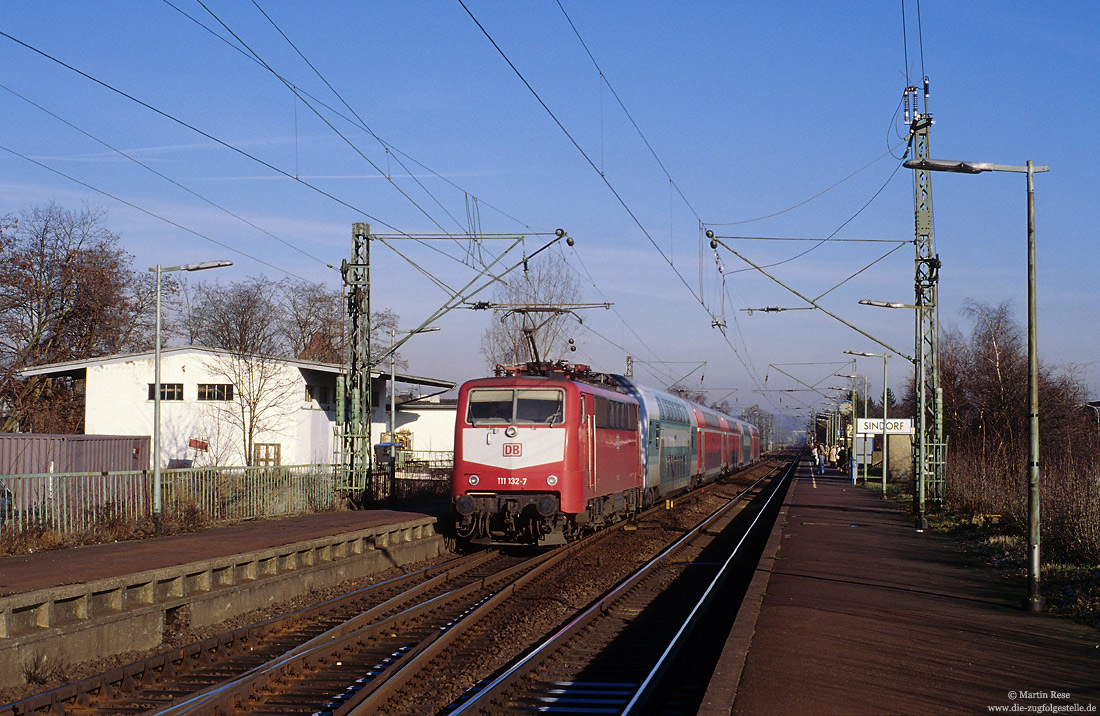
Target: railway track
column 618, row 655
column 389, row 648
column 147, row 684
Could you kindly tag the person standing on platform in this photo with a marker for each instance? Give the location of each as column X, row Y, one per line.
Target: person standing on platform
column 813, row 458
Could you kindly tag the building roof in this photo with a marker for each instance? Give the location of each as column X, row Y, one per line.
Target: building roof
column 77, row 368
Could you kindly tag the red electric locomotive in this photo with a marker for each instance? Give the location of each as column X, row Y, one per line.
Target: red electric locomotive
column 543, row 454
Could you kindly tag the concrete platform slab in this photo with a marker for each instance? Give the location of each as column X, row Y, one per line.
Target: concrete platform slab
column 861, row 614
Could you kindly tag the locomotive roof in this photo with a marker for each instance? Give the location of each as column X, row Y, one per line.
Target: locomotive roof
column 561, row 370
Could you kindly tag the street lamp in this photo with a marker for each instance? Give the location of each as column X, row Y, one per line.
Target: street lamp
column 885, row 438
column 853, row 377
column 889, row 304
column 158, row 269
column 393, row 402
column 1034, row 601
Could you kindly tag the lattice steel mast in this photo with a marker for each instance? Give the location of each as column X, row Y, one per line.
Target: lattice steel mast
column 353, row 388
column 929, row 449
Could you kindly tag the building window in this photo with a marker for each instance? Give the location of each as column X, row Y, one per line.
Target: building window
column 320, row 393
column 215, row 391
column 168, row 391
column 267, row 454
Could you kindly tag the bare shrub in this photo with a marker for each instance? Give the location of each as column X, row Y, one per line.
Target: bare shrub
column 984, row 481
column 985, row 412
column 39, row 669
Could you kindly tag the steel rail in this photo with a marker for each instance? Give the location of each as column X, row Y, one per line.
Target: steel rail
column 146, row 672
column 361, row 697
column 220, row 698
column 644, row 692
column 131, row 680
column 494, row 689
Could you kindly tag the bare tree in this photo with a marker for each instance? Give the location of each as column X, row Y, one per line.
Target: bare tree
column 984, row 381
column 244, row 320
column 259, row 323
column 314, row 323
column 545, row 282
column 67, row 292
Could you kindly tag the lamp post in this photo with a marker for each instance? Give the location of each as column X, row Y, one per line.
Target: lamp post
column 158, row 269
column 1034, row 601
column 393, row 401
column 853, row 377
column 885, row 437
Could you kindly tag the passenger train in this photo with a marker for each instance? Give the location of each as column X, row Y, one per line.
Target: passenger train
column 546, row 452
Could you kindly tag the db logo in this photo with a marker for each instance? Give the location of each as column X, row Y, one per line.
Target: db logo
column 513, row 449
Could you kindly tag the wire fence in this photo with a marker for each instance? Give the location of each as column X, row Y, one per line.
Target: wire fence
column 80, row 503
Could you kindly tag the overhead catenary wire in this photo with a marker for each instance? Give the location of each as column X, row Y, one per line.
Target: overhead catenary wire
column 358, row 123
column 253, row 55
column 591, row 163
column 641, row 134
column 827, row 189
column 828, row 238
column 149, row 213
column 362, row 122
column 218, row 141
column 211, row 137
column 145, row 166
column 320, row 116
column 584, row 154
column 193, row 128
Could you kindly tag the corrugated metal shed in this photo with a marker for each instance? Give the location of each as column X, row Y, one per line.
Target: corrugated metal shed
column 31, row 453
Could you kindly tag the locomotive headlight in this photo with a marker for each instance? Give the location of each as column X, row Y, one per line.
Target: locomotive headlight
column 551, row 480
column 473, row 480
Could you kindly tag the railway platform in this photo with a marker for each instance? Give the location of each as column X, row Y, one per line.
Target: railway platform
column 93, row 601
column 854, row 612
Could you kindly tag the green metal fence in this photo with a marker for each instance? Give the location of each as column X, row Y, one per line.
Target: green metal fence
column 231, row 494
column 415, row 474
column 76, row 503
column 71, row 503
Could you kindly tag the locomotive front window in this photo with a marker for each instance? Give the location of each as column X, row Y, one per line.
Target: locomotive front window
column 520, row 407
column 539, row 406
column 489, row 407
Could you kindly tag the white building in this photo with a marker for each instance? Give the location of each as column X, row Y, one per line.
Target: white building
column 209, row 397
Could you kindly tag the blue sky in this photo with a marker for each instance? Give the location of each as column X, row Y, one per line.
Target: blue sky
column 750, row 108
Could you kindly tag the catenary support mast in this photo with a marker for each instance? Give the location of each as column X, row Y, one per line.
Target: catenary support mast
column 929, row 450
column 353, row 429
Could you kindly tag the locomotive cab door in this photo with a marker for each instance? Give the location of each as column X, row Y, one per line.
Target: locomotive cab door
column 587, row 440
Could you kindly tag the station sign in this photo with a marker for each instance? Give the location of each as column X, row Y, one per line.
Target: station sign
column 894, row 426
